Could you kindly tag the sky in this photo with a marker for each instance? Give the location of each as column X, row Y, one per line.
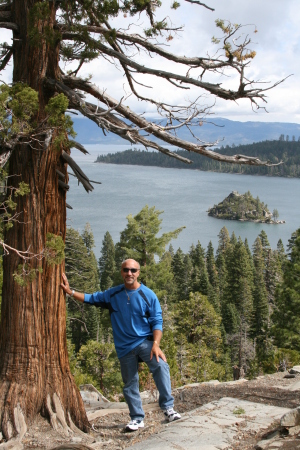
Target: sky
column 277, row 43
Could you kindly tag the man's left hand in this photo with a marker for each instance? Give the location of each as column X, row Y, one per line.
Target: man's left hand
column 157, row 352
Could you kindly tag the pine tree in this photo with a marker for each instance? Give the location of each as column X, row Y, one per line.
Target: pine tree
column 272, row 269
column 197, row 320
column 82, row 273
column 106, row 262
column 168, row 346
column 213, row 277
column 260, row 301
column 224, row 241
column 237, row 301
column 179, row 271
column 161, row 280
column 186, row 276
column 199, row 278
column 281, row 254
column 286, row 315
column 139, row 240
column 211, row 266
column 100, row 362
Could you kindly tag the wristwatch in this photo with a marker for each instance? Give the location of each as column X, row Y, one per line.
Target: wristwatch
column 72, row 294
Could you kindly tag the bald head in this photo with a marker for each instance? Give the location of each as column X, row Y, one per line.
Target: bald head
column 130, row 272
column 129, row 261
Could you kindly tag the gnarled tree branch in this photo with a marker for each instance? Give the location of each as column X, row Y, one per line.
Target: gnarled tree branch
column 122, row 129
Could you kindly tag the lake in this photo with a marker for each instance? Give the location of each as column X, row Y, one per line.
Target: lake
column 183, row 195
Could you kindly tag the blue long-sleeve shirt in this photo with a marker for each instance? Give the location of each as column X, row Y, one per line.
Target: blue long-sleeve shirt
column 133, row 319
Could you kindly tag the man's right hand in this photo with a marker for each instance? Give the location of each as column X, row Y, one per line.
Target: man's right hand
column 66, row 288
column 65, row 285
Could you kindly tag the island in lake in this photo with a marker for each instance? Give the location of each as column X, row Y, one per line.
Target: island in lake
column 245, row 208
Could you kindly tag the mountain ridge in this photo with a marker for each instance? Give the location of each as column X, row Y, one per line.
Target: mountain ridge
column 225, row 131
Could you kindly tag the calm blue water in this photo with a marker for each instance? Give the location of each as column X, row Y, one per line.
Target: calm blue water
column 183, row 195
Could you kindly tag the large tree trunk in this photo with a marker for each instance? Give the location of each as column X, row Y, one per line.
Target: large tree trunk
column 35, row 375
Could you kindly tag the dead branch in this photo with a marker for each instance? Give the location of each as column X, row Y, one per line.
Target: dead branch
column 205, row 63
column 152, row 128
column 25, row 255
column 78, row 320
column 6, row 59
column 77, row 145
column 196, row 2
column 10, row 26
column 82, row 178
column 252, row 94
column 89, row 110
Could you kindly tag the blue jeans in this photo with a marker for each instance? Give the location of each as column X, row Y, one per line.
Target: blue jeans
column 161, row 375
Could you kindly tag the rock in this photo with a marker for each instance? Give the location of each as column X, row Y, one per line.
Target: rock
column 291, row 418
column 72, row 447
column 295, row 370
column 294, row 431
column 149, row 396
column 76, row 439
column 289, row 375
column 269, row 439
column 262, row 445
column 92, row 398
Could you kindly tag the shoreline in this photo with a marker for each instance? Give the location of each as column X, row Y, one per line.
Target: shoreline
column 278, row 222
column 199, row 170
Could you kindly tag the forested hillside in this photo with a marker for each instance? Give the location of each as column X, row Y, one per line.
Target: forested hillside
column 274, row 151
column 224, row 306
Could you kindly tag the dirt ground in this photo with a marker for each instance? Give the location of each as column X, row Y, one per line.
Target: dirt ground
column 107, row 432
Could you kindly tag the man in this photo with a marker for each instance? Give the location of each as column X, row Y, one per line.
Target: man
column 136, row 319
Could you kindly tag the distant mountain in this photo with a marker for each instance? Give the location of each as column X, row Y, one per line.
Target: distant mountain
column 228, row 132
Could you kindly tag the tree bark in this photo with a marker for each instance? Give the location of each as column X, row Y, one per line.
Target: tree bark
column 35, row 375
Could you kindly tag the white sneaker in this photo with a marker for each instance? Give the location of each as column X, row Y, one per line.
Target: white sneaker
column 171, row 415
column 134, row 425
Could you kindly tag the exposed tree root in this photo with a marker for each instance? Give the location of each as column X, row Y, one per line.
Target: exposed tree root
column 20, row 426
column 58, row 420
column 57, row 417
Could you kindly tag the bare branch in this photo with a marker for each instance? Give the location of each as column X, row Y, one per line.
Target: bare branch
column 6, row 59
column 122, row 129
column 4, row 157
column 206, row 63
column 78, row 146
column 78, row 172
column 24, row 255
column 78, row 320
column 10, row 26
column 215, row 89
column 196, row 2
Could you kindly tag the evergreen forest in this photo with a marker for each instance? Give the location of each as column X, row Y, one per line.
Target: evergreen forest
column 221, row 307
column 274, row 151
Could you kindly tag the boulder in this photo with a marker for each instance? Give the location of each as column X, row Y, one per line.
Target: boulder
column 295, row 370
column 291, row 418
column 149, row 396
column 91, row 395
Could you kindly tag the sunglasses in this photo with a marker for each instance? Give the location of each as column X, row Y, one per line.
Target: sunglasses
column 126, row 270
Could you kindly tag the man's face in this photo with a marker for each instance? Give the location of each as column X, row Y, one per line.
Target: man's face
column 129, row 277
